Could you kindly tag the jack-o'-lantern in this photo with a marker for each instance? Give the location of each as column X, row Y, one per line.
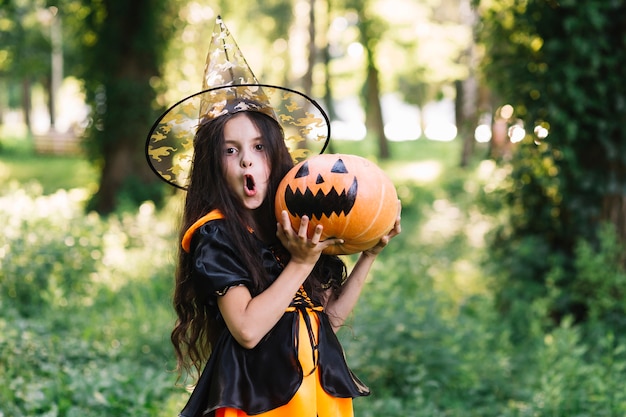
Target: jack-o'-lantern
column 349, row 195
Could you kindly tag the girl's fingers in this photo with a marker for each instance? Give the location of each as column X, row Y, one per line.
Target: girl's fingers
column 396, row 227
column 317, row 234
column 330, row 242
column 304, row 227
column 283, row 225
column 299, row 241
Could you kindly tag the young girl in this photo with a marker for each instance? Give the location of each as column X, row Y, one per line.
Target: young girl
column 258, row 304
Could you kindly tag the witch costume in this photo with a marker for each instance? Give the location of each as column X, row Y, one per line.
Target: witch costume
column 298, row 369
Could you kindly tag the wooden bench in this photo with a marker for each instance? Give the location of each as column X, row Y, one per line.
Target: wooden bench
column 58, row 143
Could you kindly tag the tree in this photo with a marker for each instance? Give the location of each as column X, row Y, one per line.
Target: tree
column 424, row 50
column 25, row 48
column 559, row 63
column 468, row 103
column 123, row 45
column 371, row 29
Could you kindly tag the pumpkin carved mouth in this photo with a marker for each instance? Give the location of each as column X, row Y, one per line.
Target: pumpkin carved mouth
column 318, row 204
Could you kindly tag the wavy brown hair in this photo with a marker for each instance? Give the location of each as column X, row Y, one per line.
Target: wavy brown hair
column 196, row 329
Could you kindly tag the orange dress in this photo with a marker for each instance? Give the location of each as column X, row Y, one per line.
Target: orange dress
column 310, row 400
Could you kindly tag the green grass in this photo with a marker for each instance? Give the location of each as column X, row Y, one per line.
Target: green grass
column 448, row 153
column 20, row 163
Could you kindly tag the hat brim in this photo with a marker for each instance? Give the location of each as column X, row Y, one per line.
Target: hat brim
column 169, row 145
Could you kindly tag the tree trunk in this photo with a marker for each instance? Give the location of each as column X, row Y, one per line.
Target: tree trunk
column 118, row 166
column 468, row 90
column 50, row 96
column 373, row 109
column 128, row 62
column 370, row 32
column 614, row 211
column 328, row 90
column 26, row 104
column 307, row 79
column 466, row 103
column 614, row 203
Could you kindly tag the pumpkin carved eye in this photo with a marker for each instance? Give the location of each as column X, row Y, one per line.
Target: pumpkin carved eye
column 339, row 167
column 303, row 171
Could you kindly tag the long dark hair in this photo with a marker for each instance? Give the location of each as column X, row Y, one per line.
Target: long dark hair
column 196, row 328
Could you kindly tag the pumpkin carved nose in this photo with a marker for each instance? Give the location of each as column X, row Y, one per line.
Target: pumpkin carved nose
column 319, row 179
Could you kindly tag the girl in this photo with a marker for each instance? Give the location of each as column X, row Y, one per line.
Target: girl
column 257, row 302
column 265, row 308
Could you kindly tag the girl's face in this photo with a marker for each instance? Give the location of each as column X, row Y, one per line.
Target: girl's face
column 246, row 161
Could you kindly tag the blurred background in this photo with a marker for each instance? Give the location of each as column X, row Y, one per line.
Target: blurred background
column 499, row 121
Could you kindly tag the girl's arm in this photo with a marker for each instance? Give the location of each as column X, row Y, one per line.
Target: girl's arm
column 338, row 309
column 249, row 318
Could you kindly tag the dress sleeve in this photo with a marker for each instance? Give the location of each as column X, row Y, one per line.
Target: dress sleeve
column 215, row 260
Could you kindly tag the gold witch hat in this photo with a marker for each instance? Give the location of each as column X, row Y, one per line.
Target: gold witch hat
column 229, row 86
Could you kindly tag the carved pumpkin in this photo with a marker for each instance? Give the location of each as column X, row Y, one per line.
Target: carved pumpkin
column 350, row 196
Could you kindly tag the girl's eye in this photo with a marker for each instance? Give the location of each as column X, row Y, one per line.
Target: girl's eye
column 259, row 147
column 231, row 150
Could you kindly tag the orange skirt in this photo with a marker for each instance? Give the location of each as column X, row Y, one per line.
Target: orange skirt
column 310, row 400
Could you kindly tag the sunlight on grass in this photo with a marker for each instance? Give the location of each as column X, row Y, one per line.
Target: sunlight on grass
column 455, row 274
column 19, row 162
column 5, row 172
column 420, row 172
column 443, row 221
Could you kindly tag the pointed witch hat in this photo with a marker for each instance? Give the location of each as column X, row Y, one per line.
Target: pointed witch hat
column 229, row 86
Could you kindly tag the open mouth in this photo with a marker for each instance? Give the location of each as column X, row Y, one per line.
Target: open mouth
column 249, row 185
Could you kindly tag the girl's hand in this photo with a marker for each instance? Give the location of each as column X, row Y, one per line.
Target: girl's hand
column 385, row 239
column 302, row 249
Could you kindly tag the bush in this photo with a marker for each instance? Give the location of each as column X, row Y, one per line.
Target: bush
column 88, row 335
column 49, row 250
column 428, row 348
column 422, row 351
column 85, row 316
column 601, row 279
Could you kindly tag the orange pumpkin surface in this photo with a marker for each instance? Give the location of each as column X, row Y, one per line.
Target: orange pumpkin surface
column 350, row 196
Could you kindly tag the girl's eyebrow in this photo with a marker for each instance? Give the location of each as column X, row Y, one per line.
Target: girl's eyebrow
column 232, row 142
column 238, row 142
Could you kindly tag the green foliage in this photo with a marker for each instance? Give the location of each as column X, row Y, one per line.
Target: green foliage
column 424, row 352
column 53, row 254
column 599, row 279
column 558, row 65
column 24, row 40
column 47, row 373
column 568, row 382
column 84, row 305
column 426, row 336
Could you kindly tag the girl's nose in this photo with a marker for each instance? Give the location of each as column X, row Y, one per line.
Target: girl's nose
column 245, row 162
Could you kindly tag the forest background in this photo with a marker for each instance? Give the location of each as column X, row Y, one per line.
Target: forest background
column 504, row 296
